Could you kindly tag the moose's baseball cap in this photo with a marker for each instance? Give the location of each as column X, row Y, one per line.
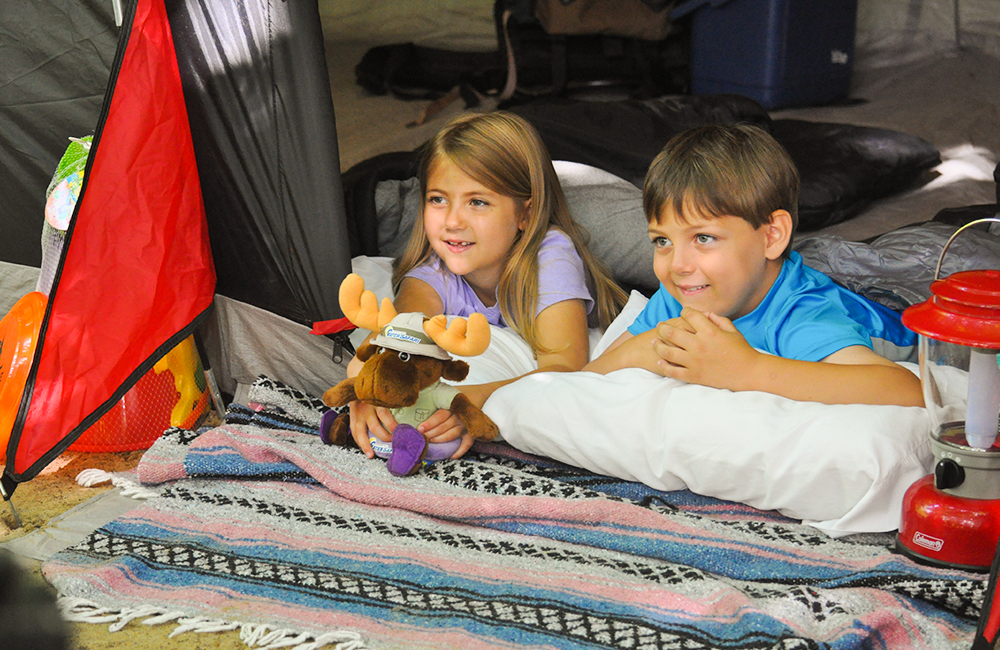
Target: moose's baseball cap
column 405, row 333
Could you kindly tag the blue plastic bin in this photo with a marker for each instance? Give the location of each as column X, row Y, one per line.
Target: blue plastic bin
column 782, row 53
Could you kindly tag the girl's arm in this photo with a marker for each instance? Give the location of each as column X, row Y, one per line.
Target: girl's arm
column 562, row 330
column 417, row 295
column 413, row 295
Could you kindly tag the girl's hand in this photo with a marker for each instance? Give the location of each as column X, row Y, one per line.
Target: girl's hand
column 368, row 421
column 442, row 426
column 467, row 441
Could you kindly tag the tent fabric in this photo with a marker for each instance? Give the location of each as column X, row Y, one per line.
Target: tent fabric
column 217, row 120
column 56, row 56
column 242, row 342
column 258, row 95
column 843, row 167
column 258, row 92
column 136, row 275
column 245, row 342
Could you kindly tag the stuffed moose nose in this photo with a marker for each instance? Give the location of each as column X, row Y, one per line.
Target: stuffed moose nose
column 386, row 380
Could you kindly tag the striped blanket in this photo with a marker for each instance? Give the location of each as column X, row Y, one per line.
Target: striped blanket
column 258, row 524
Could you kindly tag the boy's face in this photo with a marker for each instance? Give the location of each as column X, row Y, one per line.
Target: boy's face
column 714, row 264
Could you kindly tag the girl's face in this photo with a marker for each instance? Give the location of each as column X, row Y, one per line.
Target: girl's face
column 471, row 228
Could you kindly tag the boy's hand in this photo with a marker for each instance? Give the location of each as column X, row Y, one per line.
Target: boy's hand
column 674, row 323
column 703, row 349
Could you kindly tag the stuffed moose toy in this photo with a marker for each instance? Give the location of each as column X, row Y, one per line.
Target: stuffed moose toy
column 403, row 368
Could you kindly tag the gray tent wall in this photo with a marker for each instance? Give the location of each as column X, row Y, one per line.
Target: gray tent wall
column 888, row 31
column 259, row 102
column 258, row 96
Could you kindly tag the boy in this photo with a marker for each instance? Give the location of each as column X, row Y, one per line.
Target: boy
column 736, row 307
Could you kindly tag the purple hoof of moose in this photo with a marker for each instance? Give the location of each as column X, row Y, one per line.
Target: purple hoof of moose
column 326, row 427
column 441, row 450
column 408, row 447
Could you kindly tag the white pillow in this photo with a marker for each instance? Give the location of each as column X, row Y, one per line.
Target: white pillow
column 843, row 469
column 610, row 209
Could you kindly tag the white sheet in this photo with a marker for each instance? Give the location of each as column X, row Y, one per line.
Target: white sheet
column 843, row 469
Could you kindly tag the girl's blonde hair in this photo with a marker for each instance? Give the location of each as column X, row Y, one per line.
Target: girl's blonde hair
column 505, row 154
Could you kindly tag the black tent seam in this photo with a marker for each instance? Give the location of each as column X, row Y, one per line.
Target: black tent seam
column 22, row 412
column 107, row 405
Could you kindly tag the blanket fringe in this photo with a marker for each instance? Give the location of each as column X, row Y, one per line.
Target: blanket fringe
column 263, row 637
column 128, row 487
column 270, row 638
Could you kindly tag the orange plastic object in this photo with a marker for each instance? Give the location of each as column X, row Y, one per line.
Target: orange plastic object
column 172, row 393
column 18, row 335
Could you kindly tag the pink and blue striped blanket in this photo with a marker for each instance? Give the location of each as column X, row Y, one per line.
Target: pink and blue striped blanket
column 257, row 523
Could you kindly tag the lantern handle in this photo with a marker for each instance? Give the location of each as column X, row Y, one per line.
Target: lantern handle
column 937, row 271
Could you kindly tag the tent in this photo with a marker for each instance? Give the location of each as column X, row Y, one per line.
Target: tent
column 261, row 119
column 214, row 142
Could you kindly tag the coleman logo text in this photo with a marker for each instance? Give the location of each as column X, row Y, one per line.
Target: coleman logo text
column 928, row 542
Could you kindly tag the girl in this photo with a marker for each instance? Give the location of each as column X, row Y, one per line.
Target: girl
column 495, row 236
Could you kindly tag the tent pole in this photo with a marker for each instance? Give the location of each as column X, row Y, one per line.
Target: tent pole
column 213, row 386
column 958, row 27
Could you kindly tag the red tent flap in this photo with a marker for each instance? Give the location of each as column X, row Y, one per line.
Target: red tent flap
column 137, row 269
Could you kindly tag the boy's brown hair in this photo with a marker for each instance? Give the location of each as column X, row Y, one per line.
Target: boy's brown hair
column 717, row 170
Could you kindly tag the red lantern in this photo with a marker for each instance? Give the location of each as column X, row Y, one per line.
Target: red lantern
column 952, row 518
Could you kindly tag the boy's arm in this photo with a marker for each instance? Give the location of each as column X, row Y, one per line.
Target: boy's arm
column 633, row 351
column 562, row 331
column 628, row 351
column 713, row 353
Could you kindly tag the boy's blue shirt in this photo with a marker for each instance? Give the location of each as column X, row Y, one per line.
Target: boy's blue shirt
column 805, row 315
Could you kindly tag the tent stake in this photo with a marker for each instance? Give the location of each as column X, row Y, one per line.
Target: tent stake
column 13, row 511
column 7, row 494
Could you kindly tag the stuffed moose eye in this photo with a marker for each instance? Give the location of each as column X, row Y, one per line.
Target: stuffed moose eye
column 404, row 356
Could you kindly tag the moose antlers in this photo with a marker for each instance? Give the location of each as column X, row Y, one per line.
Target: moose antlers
column 361, row 307
column 461, row 337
